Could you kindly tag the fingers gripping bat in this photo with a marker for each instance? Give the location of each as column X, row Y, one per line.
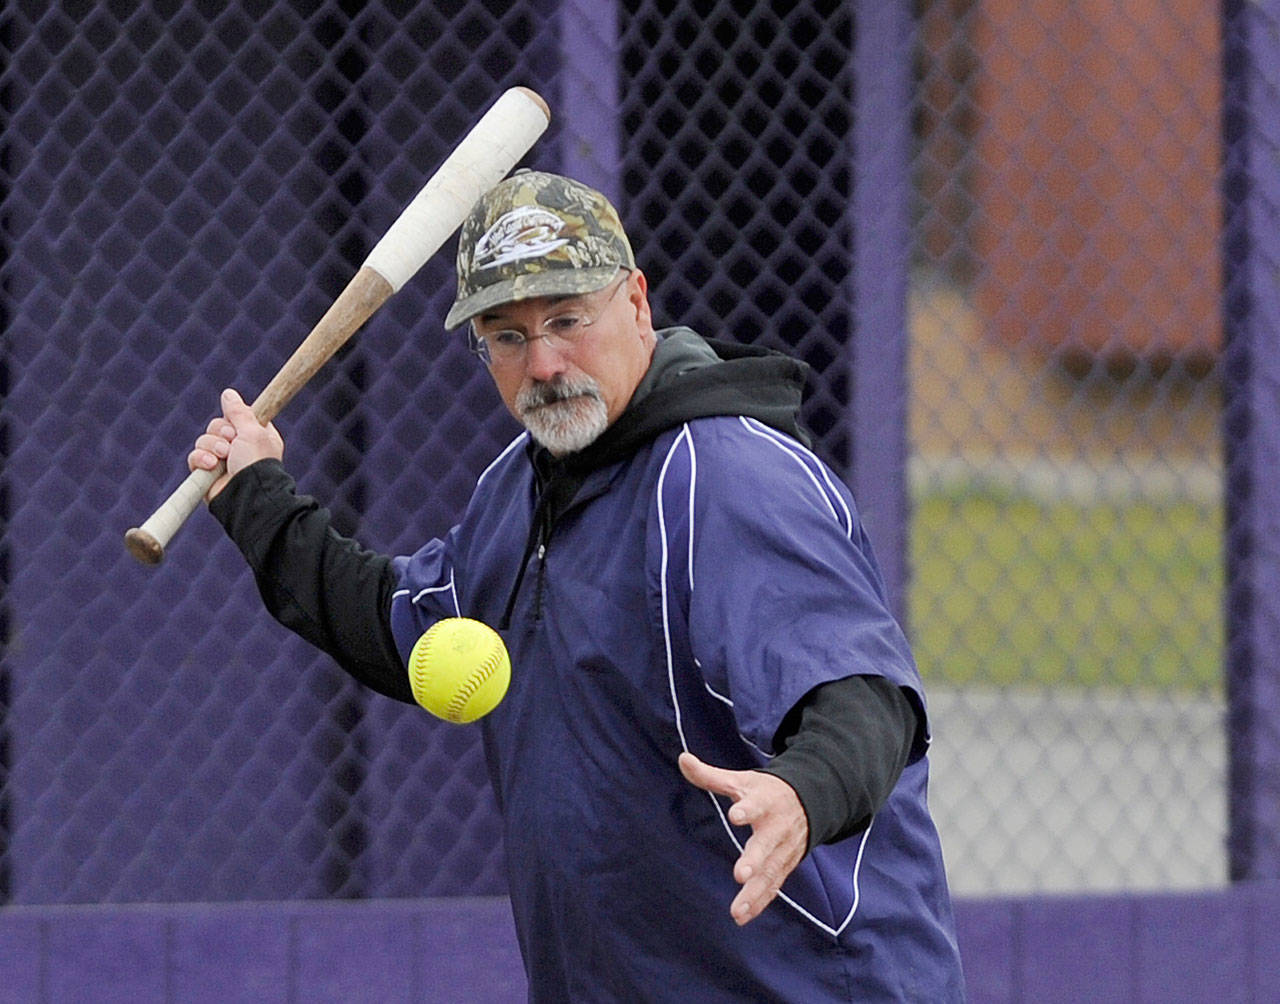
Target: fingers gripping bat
column 483, row 158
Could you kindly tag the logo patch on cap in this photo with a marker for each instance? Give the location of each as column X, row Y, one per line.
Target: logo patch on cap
column 536, row 234
column 524, row 232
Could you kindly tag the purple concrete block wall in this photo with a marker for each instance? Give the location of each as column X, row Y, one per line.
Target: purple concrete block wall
column 392, row 950
column 1217, row 946
column 1220, row 946
column 105, row 956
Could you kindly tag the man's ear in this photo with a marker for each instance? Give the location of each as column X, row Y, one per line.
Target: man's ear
column 638, row 297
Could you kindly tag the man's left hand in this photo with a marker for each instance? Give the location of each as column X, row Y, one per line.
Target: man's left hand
column 779, row 830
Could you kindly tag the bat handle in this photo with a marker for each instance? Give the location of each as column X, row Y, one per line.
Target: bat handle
column 147, row 542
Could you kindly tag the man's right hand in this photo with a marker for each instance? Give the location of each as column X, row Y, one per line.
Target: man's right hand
column 236, row 437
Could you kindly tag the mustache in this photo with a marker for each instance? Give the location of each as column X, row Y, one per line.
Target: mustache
column 543, row 393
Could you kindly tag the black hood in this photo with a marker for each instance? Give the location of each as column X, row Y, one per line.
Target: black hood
column 697, row 378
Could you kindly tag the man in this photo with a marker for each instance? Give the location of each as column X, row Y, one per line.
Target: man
column 711, row 759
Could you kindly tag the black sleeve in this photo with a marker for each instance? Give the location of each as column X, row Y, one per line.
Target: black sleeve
column 844, row 746
column 320, row 585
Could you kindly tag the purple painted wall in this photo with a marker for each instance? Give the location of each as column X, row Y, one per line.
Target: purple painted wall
column 1215, row 946
column 430, row 950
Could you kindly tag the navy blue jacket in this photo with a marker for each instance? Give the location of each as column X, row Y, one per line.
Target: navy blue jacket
column 686, row 596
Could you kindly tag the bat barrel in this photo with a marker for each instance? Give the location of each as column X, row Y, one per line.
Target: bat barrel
column 483, row 158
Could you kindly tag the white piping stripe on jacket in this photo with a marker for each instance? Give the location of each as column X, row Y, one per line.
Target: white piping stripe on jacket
column 446, row 588
column 693, row 478
column 724, row 700
column 707, row 687
column 801, row 454
column 518, row 441
column 686, row 438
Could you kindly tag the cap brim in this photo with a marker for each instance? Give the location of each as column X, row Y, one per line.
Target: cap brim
column 553, row 282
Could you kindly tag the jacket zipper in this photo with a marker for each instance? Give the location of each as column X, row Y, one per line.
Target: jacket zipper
column 540, row 531
column 537, row 589
column 544, row 539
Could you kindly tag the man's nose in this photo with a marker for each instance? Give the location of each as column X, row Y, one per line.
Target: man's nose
column 543, row 359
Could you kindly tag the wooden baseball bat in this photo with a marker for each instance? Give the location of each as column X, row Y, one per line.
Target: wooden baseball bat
column 491, row 149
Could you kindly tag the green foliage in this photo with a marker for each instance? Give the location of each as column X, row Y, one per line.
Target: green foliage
column 1009, row 590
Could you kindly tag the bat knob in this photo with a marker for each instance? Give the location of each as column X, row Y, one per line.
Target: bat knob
column 144, row 547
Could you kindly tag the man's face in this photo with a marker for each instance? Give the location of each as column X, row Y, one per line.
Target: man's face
column 566, row 367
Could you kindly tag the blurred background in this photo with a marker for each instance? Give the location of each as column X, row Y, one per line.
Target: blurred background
column 1065, row 470
column 1018, row 242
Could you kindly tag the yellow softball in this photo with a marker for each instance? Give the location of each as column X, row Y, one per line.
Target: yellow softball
column 459, row 669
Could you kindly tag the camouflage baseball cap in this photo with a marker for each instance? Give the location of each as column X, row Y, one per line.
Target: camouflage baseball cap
column 536, row 234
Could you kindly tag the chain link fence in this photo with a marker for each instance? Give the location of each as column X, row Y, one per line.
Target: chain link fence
column 187, row 187
column 1066, row 470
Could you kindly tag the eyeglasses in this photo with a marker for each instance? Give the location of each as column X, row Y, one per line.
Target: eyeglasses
column 563, row 330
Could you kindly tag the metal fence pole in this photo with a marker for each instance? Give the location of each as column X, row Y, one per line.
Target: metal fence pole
column 1251, row 124
column 589, row 84
column 881, row 252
